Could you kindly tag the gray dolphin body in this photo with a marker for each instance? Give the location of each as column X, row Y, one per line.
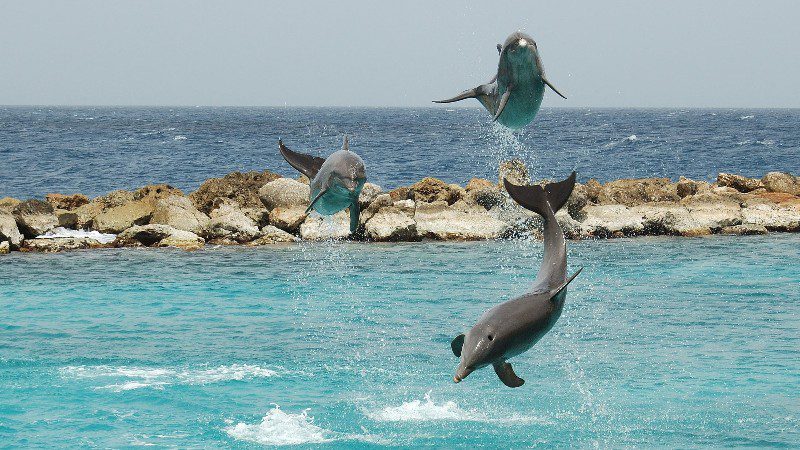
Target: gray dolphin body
column 514, row 326
column 514, row 95
column 336, row 182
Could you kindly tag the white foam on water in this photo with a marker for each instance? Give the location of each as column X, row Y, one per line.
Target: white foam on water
column 746, row 117
column 61, row 232
column 767, row 142
column 179, row 137
column 428, row 410
column 130, row 378
column 631, row 138
column 281, row 428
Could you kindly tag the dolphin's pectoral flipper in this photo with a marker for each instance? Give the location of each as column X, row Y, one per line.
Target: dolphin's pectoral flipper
column 307, row 165
column 507, row 375
column 554, row 293
column 457, row 344
column 553, row 88
column 319, row 196
column 354, row 214
column 502, row 105
column 483, row 93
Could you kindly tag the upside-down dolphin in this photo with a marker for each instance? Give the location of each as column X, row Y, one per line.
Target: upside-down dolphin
column 336, row 182
column 515, row 93
column 514, row 326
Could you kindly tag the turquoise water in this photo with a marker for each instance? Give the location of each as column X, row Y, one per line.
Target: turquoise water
column 673, row 342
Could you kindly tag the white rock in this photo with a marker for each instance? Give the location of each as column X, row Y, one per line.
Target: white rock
column 319, row 228
column 460, row 221
column 284, row 192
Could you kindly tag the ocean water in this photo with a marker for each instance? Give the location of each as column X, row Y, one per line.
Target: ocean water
column 97, row 150
column 673, row 342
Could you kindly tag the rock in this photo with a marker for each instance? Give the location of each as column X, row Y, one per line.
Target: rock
column 284, row 192
column 67, row 219
column 432, row 190
column 317, row 228
column 572, row 228
column 368, row 194
column 461, row 221
column 185, row 240
column 158, row 235
column 476, row 184
column 379, row 202
column 400, row 193
column 122, row 217
column 521, row 222
column 34, row 217
column 5, row 248
column 8, row 204
column 68, row 202
column 738, row 182
column 154, row 192
column 392, row 224
column 632, row 192
column 745, row 229
column 686, row 187
column 273, row 235
column 691, row 218
column 259, row 215
column 576, row 202
column 515, row 171
column 288, row 218
column 239, row 187
column 407, row 206
column 773, row 217
column 612, row 220
column 9, row 232
column 52, row 245
column 593, row 190
column 483, row 192
column 229, row 224
column 782, row 182
column 179, row 212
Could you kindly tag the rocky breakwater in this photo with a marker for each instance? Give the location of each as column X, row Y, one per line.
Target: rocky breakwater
column 261, row 208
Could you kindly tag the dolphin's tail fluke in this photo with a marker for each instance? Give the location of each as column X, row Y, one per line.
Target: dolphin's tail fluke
column 536, row 198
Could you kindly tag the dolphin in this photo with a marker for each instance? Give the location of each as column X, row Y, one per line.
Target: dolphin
column 513, row 327
column 515, row 93
column 336, row 182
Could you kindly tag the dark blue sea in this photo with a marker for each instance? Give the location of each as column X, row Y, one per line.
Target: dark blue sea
column 97, row 150
column 663, row 341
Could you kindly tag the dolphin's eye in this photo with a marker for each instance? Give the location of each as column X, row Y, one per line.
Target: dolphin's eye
column 491, row 338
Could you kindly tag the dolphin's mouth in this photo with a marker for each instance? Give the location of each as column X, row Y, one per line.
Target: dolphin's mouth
column 460, row 375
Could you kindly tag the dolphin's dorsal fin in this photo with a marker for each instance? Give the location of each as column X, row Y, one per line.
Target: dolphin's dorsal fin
column 346, row 144
column 457, row 344
column 507, row 375
column 306, row 164
column 554, row 292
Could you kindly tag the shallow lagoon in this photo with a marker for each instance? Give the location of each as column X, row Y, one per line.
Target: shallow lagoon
column 675, row 341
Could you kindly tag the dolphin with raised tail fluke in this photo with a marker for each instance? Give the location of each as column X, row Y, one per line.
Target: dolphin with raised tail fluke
column 514, row 326
column 336, row 182
column 514, row 94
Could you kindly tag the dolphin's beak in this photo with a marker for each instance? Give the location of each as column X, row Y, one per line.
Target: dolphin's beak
column 461, row 374
column 351, row 185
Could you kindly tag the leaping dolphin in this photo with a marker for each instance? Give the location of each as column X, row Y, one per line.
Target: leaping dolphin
column 336, row 182
column 514, row 95
column 514, row 326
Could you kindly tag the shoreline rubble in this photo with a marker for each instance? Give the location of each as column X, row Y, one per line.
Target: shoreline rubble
column 262, row 208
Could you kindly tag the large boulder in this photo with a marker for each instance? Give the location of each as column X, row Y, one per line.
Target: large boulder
column 577, row 200
column 612, row 221
column 288, row 218
column 400, row 193
column 632, row 192
column 321, row 228
column 34, row 218
column 179, row 212
column 9, row 232
column 391, row 223
column 229, row 225
column 686, row 187
column 52, row 245
column 745, row 230
column 690, row 218
column 67, row 202
column 377, row 203
column 239, row 187
column 594, row 190
column 5, row 248
column 119, row 218
column 158, row 235
column 368, row 194
column 781, row 182
column 460, row 221
column 273, row 235
column 483, row 192
column 774, row 217
column 738, row 182
column 67, row 219
column 8, row 204
column 284, row 192
column 433, row 190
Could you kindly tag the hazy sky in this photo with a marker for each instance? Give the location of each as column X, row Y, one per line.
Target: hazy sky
column 634, row 53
